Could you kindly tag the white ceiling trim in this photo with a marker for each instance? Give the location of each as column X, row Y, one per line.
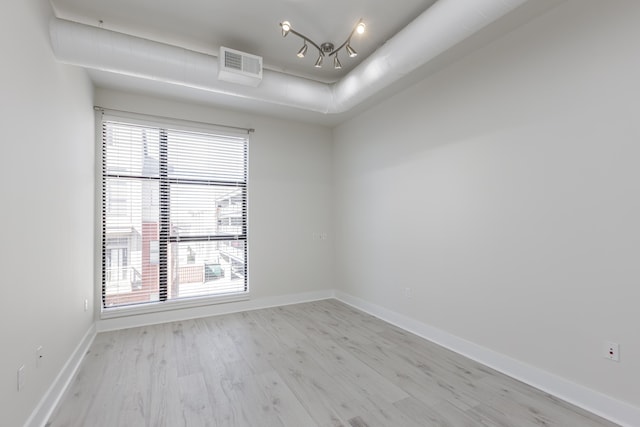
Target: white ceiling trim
column 439, row 28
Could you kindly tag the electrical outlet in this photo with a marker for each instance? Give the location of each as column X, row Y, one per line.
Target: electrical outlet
column 21, row 378
column 612, row 351
column 86, row 304
column 39, row 356
column 407, row 292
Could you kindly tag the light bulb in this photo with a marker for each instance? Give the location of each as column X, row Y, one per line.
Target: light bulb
column 286, row 26
column 360, row 28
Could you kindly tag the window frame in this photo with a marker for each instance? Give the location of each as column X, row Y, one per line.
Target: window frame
column 164, row 125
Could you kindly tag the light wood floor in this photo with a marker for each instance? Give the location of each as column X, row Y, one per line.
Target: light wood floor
column 314, row 364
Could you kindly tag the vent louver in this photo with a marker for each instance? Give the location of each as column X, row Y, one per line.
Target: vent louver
column 239, row 67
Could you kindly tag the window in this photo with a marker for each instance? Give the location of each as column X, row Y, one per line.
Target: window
column 174, row 211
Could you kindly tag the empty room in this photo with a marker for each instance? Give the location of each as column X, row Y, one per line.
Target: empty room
column 304, row 213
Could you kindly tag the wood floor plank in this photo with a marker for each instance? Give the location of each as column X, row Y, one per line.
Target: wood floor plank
column 321, row 363
column 163, row 386
column 251, row 402
column 335, row 359
column 194, row 401
column 255, row 345
column 324, row 397
column 373, row 411
column 187, row 346
column 441, row 414
column 284, row 403
column 392, row 363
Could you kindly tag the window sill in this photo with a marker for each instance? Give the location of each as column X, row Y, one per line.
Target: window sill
column 134, row 310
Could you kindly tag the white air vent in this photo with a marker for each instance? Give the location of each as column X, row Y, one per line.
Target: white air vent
column 239, row 67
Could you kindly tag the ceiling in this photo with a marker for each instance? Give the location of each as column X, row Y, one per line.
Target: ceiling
column 252, row 26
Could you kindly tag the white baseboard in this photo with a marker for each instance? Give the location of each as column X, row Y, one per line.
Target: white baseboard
column 146, row 319
column 595, row 402
column 40, row 415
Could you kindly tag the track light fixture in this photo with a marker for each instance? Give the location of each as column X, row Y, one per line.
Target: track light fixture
column 325, row 49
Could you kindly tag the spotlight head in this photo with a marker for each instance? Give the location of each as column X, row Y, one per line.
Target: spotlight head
column 351, row 51
column 318, row 63
column 336, row 62
column 360, row 28
column 303, row 50
column 286, row 27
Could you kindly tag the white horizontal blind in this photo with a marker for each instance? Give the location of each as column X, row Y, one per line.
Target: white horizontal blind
column 174, row 212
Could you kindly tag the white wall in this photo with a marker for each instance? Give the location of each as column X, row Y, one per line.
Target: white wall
column 505, row 191
column 289, row 195
column 46, row 193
